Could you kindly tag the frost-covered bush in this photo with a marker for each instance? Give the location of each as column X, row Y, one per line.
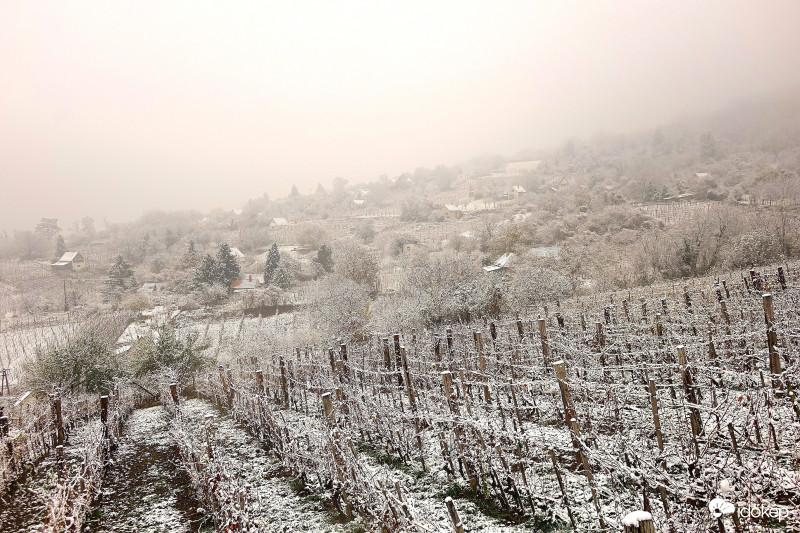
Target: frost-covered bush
column 84, row 363
column 755, row 248
column 532, row 286
column 355, row 261
column 339, row 306
column 166, row 353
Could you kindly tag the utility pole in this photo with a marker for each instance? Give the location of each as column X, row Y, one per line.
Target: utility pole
column 65, row 296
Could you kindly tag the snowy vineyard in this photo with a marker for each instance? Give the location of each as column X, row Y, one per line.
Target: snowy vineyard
column 568, row 419
column 579, row 416
column 70, row 443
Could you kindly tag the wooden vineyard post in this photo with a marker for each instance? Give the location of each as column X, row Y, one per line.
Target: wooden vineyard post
column 659, row 438
column 572, row 425
column 104, row 418
column 327, row 404
column 566, row 398
column 545, row 345
column 59, row 422
column 224, row 384
column 772, row 341
column 691, row 396
column 173, row 390
column 656, row 419
column 516, row 405
column 409, row 390
column 638, row 522
column 447, row 381
column 412, row 401
column 454, row 518
column 104, row 409
column 482, row 365
column 732, row 433
column 260, row 381
column 284, row 386
column 563, row 489
column 4, row 385
column 782, row 278
column 399, row 358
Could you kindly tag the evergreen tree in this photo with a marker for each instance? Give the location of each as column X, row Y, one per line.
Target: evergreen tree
column 294, row 192
column 169, row 238
column 708, row 146
column 206, row 271
column 144, row 247
column 227, row 267
column 271, row 266
column 173, row 355
column 61, row 247
column 189, row 258
column 121, row 275
column 282, row 278
column 48, row 227
column 325, row 258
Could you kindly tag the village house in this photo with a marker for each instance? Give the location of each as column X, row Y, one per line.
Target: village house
column 152, row 286
column 275, row 222
column 452, row 211
column 408, row 247
column 246, row 284
column 500, row 264
column 70, row 261
column 236, row 253
column 515, row 192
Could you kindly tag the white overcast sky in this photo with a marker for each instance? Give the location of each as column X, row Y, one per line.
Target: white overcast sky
column 112, row 108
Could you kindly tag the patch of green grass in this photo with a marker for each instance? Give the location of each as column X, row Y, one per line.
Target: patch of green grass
column 512, row 515
column 391, row 461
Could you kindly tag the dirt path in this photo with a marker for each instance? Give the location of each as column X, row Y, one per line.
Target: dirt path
column 145, row 490
column 278, row 504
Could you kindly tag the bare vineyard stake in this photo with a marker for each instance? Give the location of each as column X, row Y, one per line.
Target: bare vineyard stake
column 454, row 518
column 772, row 340
column 327, row 404
column 563, row 490
column 640, row 524
column 173, row 390
column 735, row 446
column 545, row 345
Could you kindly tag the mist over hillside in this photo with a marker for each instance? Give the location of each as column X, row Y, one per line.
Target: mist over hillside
column 421, row 267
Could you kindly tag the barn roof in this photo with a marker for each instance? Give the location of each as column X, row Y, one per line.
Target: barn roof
column 68, row 257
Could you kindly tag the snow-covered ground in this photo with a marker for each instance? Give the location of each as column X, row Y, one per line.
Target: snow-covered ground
column 145, row 490
column 273, row 502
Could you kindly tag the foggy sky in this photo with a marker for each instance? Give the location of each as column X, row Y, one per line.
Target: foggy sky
column 112, row 108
